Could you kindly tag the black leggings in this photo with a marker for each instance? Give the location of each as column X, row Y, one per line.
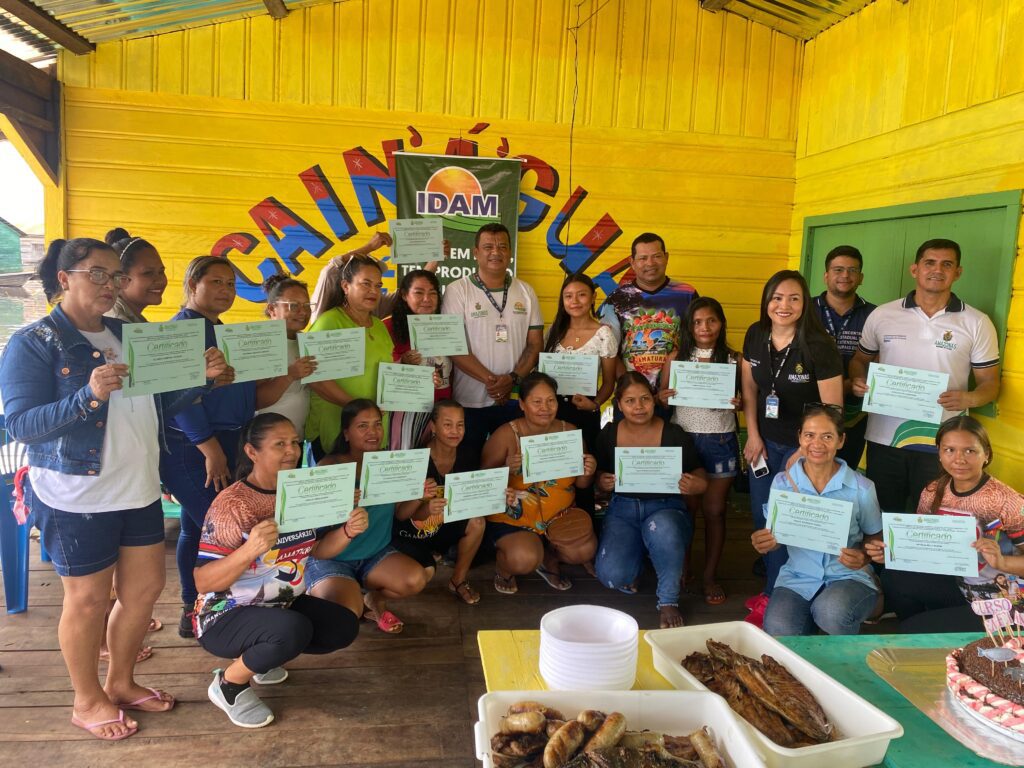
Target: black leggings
column 267, row 637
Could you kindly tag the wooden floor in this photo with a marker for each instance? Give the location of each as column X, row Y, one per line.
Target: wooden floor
column 386, row 701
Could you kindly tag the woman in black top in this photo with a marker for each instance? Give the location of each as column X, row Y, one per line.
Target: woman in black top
column 424, row 532
column 788, row 361
column 651, row 524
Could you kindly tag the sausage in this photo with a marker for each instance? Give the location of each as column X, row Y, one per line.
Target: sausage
column 524, row 722
column 705, row 749
column 608, row 734
column 535, row 706
column 591, row 719
column 563, row 745
column 553, row 726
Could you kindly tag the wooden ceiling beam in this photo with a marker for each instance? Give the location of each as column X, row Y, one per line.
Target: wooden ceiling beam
column 25, row 77
column 276, row 8
column 713, row 5
column 48, row 26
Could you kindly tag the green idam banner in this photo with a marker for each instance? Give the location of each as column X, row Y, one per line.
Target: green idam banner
column 466, row 193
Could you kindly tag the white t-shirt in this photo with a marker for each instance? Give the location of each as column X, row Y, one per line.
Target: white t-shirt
column 129, row 477
column 294, row 401
column 953, row 340
column 484, row 327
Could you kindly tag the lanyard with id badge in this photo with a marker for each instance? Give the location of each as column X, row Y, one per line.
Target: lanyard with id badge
column 771, row 403
column 501, row 329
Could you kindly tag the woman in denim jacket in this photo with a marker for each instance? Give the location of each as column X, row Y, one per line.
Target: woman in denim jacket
column 93, row 471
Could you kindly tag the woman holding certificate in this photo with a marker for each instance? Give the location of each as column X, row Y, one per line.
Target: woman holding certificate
column 370, row 563
column 288, row 300
column 348, row 304
column 202, row 440
column 703, row 340
column 94, row 484
column 543, row 528
column 930, row 602
column 419, row 293
column 639, row 524
column 246, row 611
column 788, row 360
column 833, row 592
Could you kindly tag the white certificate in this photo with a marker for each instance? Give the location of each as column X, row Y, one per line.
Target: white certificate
column 254, row 350
column 552, row 456
column 475, row 494
column 702, row 385
column 417, row 241
column 438, row 335
column 809, row 522
column 314, row 497
column 906, row 393
column 930, row 543
column 393, row 476
column 648, row 470
column 339, row 352
column 575, row 374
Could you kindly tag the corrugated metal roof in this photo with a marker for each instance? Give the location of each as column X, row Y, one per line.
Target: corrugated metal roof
column 101, row 20
column 18, row 39
column 802, row 19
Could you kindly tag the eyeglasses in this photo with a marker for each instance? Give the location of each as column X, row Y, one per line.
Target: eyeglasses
column 295, row 306
column 831, row 407
column 851, row 271
column 102, row 277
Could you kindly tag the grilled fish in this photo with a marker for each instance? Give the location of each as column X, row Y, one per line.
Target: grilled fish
column 796, row 703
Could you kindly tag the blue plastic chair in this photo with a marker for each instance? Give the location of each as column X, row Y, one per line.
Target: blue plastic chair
column 13, row 537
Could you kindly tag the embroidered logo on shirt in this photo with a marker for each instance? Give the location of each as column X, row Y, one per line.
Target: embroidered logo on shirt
column 889, row 338
column 799, row 368
column 519, row 308
column 946, row 342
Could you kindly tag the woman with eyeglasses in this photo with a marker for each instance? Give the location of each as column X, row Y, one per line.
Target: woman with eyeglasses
column 203, row 439
column 834, row 593
column 288, row 300
column 926, row 602
column 788, row 361
column 94, row 484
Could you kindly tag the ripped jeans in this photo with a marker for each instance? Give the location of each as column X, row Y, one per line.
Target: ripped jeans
column 658, row 527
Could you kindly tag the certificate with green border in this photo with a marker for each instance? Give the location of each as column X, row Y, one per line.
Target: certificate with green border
column 315, row 497
column 575, row 374
column 938, row 544
column 906, row 393
column 438, row 335
column 393, row 476
column 809, row 522
column 417, row 241
column 339, row 352
column 702, row 385
column 648, row 470
column 552, row 456
column 163, row 357
column 254, row 350
column 475, row 494
column 405, row 387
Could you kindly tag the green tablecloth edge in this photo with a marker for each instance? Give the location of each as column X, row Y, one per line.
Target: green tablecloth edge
column 923, row 744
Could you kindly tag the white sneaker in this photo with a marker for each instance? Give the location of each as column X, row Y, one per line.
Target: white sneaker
column 247, row 711
column 271, row 677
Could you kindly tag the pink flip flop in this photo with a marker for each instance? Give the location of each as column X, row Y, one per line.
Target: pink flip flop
column 154, row 695
column 91, row 727
column 386, row 622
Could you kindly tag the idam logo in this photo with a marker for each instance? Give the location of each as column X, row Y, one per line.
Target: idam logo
column 455, row 193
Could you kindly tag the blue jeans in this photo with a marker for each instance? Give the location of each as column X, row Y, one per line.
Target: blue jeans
column 838, row 609
column 760, row 488
column 183, row 471
column 632, row 527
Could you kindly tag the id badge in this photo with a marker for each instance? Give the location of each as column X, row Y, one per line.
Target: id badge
column 771, row 407
column 501, row 334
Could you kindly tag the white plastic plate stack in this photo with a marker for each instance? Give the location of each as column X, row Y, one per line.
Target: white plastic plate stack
column 588, row 647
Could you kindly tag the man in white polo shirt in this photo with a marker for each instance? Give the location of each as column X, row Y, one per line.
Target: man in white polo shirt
column 933, row 330
column 505, row 332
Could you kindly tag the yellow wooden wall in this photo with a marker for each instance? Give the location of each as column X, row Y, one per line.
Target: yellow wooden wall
column 904, row 103
column 685, row 124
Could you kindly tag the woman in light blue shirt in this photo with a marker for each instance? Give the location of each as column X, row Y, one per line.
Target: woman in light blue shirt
column 834, row 593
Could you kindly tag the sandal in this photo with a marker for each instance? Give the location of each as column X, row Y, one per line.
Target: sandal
column 386, row 622
column 144, row 653
column 714, row 594
column 554, row 580
column 464, row 592
column 154, row 695
column 91, row 727
column 505, row 585
column 155, row 625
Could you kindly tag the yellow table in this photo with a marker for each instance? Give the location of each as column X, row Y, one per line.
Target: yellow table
column 510, row 659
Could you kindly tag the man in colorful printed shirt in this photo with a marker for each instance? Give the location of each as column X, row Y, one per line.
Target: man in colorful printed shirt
column 646, row 313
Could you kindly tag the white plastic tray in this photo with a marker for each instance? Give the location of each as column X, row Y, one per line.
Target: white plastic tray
column 865, row 730
column 674, row 712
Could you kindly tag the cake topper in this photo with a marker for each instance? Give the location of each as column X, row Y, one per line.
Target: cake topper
column 998, row 615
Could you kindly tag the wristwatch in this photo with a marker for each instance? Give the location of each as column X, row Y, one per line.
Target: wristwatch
column 516, row 378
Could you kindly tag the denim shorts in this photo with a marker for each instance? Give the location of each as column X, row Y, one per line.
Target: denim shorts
column 718, row 452
column 82, row 543
column 357, row 570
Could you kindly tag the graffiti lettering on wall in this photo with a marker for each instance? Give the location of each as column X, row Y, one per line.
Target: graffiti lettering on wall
column 373, row 181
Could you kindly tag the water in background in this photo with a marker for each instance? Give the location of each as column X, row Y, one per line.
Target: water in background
column 20, row 306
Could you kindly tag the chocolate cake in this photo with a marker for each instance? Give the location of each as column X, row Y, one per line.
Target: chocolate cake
column 991, row 688
column 994, row 675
